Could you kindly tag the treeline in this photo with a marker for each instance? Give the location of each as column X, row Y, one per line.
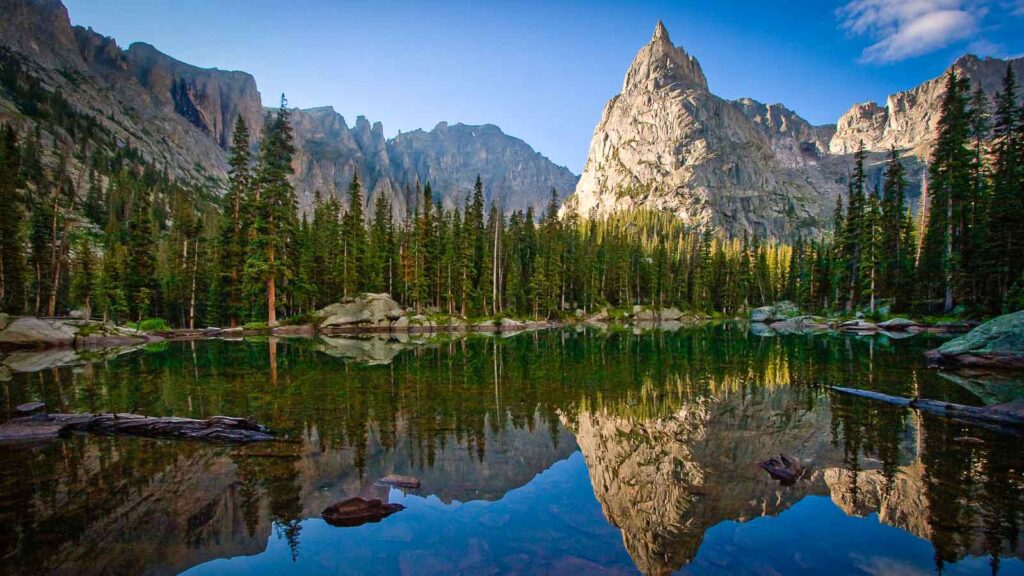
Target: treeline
column 964, row 252
column 122, row 240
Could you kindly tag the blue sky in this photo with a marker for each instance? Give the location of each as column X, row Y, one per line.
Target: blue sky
column 543, row 71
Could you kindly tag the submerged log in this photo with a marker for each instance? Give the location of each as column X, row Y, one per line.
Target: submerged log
column 215, row 429
column 785, row 469
column 1006, row 418
column 356, row 511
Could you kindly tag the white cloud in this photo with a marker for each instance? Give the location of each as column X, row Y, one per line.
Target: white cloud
column 902, row 29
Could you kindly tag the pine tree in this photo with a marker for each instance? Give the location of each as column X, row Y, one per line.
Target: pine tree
column 275, row 210
column 140, row 282
column 896, row 248
column 949, row 187
column 354, row 235
column 855, row 233
column 232, row 241
column 85, row 276
column 1005, row 246
column 12, row 214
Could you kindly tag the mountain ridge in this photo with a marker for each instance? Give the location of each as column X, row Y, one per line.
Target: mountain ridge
column 667, row 143
column 181, row 117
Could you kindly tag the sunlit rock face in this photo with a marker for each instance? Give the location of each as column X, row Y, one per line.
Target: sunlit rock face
column 449, row 157
column 665, row 481
column 667, row 143
column 909, row 119
column 181, row 118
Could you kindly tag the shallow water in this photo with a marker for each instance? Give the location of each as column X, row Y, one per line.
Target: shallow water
column 553, row 452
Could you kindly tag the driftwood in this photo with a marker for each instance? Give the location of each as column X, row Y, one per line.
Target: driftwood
column 215, row 429
column 356, row 511
column 1005, row 418
column 785, row 469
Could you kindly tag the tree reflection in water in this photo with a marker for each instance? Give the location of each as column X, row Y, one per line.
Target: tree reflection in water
column 670, row 425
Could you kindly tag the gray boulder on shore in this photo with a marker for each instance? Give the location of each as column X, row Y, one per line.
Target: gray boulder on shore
column 998, row 343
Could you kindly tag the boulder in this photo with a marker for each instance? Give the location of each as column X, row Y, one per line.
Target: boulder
column 858, row 326
column 897, row 324
column 30, row 331
column 646, row 316
column 30, row 407
column 998, row 343
column 763, row 314
column 669, row 314
column 401, row 323
column 369, row 308
column 510, row 325
column 356, row 511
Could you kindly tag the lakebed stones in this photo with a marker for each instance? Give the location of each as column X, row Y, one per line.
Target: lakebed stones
column 998, row 343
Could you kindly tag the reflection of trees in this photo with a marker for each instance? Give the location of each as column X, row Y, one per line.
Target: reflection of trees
column 966, row 498
column 458, row 396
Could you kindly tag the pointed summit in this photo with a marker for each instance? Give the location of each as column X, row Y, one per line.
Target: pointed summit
column 660, row 64
column 660, row 33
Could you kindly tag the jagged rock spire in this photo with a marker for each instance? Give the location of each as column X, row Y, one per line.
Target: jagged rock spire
column 660, row 33
column 661, row 64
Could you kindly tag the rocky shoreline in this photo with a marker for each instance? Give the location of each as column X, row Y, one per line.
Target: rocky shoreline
column 786, row 318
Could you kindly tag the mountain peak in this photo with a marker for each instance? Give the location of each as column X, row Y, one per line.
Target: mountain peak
column 660, row 64
column 660, row 33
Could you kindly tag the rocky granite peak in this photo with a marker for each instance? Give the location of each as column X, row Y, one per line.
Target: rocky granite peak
column 668, row 144
column 660, row 64
column 909, row 118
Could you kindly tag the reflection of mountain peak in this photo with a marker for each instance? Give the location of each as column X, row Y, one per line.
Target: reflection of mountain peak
column 665, row 481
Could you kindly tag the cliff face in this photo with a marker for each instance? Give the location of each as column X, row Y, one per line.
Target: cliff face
column 909, row 119
column 102, row 82
column 667, row 143
column 181, row 117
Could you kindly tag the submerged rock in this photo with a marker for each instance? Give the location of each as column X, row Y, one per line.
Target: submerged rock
column 785, row 469
column 998, row 343
column 356, row 512
column 399, row 481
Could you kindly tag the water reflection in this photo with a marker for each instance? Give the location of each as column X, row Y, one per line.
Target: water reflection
column 650, row 443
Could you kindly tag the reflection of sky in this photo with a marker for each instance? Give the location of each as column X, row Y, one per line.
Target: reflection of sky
column 554, row 524
column 816, row 537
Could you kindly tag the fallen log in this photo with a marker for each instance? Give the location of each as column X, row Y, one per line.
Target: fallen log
column 215, row 429
column 1007, row 418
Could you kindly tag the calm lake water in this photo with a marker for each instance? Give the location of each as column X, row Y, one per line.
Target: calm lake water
column 558, row 452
